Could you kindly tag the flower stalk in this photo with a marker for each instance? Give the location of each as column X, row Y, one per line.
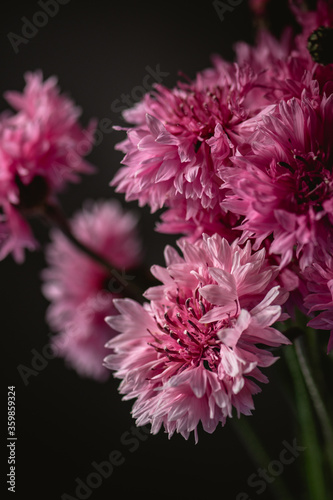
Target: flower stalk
column 259, row 455
column 317, row 400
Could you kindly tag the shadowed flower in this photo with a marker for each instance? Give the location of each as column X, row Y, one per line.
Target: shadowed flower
column 77, row 286
column 286, row 67
column 283, row 185
column 41, row 149
column 316, row 38
column 310, row 20
column 191, row 354
column 320, row 293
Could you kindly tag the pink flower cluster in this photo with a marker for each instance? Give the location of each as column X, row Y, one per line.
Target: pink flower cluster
column 79, row 288
column 241, row 160
column 245, row 150
column 41, row 149
column 191, row 355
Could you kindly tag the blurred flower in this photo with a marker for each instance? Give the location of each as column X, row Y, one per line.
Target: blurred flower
column 41, row 149
column 77, row 286
column 283, row 185
column 192, row 353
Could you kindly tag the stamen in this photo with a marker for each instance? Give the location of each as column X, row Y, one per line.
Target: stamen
column 286, row 165
column 180, row 318
column 194, row 325
column 154, row 336
column 158, row 324
column 194, row 313
column 191, row 337
column 173, row 335
column 202, row 307
column 158, row 349
column 168, row 320
column 181, row 342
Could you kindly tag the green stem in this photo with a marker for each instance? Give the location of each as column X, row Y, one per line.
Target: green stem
column 260, row 457
column 312, row 455
column 316, row 400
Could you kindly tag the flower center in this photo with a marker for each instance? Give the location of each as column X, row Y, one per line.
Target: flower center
column 181, row 338
column 313, row 184
column 194, row 111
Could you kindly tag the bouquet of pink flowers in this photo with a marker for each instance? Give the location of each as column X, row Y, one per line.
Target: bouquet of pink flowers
column 240, row 159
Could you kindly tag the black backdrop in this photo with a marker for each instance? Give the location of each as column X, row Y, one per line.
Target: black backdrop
column 100, row 50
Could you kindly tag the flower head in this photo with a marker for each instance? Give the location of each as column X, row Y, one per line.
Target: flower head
column 184, row 137
column 77, row 286
column 41, row 149
column 191, row 354
column 283, row 185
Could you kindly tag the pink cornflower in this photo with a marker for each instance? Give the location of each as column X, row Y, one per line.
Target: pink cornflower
column 184, row 137
column 41, row 149
column 77, row 286
column 319, row 300
column 283, row 184
column 191, row 354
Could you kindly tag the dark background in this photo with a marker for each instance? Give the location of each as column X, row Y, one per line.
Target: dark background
column 99, row 50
